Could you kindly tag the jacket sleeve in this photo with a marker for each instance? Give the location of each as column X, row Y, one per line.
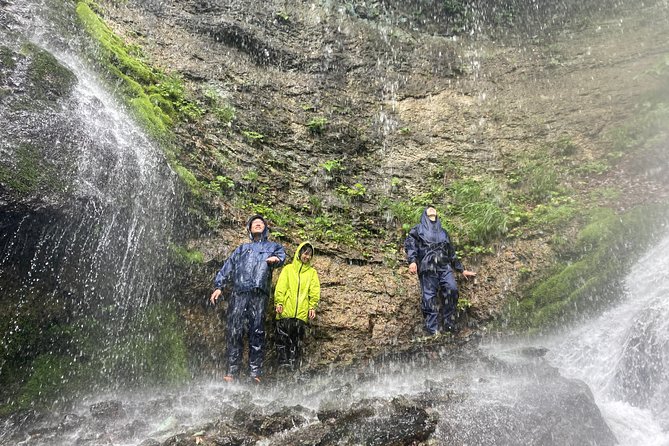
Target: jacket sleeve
column 281, row 289
column 225, row 272
column 455, row 262
column 314, row 292
column 280, row 253
column 410, row 246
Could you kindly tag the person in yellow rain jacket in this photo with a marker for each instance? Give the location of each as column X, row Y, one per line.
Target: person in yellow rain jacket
column 296, row 298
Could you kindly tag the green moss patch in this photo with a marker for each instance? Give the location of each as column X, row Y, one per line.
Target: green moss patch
column 48, row 79
column 54, row 359
column 27, row 173
column 603, row 252
column 158, row 99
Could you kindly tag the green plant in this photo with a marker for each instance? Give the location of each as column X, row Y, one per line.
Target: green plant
column 463, row 304
column 253, row 136
column 250, row 175
column 317, row 125
column 593, row 167
column 536, row 178
column 478, row 205
column 556, row 213
column 225, row 113
column 356, row 191
column 476, row 250
column 405, row 213
column 315, row 204
column 331, row 166
column 188, row 256
column 483, row 221
column 220, row 183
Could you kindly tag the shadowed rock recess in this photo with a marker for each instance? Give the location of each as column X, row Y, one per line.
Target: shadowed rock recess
column 537, row 129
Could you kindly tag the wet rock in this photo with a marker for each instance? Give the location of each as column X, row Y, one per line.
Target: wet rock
column 523, row 403
column 377, row 422
column 258, row 422
column 338, row 409
column 108, row 410
column 70, row 421
column 219, row 434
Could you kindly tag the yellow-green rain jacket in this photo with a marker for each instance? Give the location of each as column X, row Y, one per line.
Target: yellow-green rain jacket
column 298, row 288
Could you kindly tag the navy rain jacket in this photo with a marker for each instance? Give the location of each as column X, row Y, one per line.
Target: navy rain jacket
column 429, row 245
column 247, row 268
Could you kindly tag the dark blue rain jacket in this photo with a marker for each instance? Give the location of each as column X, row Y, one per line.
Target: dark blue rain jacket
column 429, row 245
column 247, row 269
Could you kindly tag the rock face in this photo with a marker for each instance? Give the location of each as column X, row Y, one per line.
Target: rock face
column 412, row 105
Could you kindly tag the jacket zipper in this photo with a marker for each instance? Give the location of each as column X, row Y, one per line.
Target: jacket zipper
column 297, row 299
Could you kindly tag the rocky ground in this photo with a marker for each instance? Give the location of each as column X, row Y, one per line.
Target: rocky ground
column 435, row 394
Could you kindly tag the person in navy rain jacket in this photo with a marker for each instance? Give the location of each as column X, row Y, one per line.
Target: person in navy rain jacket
column 248, row 271
column 431, row 255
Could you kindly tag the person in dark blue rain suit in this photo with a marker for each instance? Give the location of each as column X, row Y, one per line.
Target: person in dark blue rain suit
column 430, row 254
column 248, row 271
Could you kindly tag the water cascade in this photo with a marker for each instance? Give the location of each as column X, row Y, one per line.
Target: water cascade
column 85, row 242
column 624, row 354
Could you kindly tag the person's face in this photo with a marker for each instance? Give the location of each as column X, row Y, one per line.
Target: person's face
column 257, row 226
column 306, row 256
column 431, row 214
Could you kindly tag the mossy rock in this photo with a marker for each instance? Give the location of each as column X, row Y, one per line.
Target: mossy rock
column 48, row 78
column 29, row 172
column 606, row 248
column 59, row 360
column 7, row 63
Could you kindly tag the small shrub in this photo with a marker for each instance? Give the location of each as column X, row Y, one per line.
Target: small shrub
column 317, row 125
column 251, row 175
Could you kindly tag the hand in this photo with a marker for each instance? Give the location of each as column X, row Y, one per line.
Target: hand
column 214, row 296
column 312, row 313
column 413, row 268
column 272, row 260
column 468, row 274
column 279, row 309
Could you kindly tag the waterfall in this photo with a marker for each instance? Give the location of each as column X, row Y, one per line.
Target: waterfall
column 624, row 354
column 92, row 256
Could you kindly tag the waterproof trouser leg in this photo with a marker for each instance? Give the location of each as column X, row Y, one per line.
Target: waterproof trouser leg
column 236, row 321
column 282, row 341
column 431, row 285
column 290, row 333
column 257, row 307
column 449, row 293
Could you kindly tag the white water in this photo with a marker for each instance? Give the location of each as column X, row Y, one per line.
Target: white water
column 624, row 355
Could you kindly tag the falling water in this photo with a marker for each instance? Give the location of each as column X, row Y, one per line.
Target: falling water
column 95, row 259
column 624, row 354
